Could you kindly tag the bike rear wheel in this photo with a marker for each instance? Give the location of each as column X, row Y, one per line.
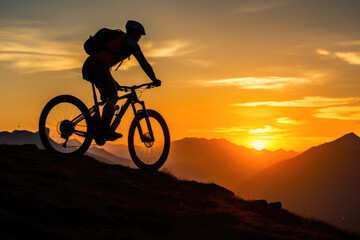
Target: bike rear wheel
column 147, row 154
column 65, row 125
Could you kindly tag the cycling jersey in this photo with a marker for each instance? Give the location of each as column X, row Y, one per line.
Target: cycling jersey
column 120, row 48
column 96, row 67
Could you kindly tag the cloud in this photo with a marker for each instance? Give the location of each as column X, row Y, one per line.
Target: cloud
column 348, row 43
column 38, row 62
column 315, row 101
column 256, row 83
column 349, row 57
column 37, row 49
column 274, row 136
column 266, row 129
column 323, row 52
column 289, row 121
column 342, row 113
column 168, row 49
column 33, row 50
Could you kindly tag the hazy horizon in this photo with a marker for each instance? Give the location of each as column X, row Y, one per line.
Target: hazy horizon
column 207, row 139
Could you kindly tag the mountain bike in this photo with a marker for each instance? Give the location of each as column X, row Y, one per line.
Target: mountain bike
column 67, row 127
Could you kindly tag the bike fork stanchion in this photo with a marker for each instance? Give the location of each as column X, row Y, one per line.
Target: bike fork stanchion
column 138, row 125
column 152, row 139
column 147, row 120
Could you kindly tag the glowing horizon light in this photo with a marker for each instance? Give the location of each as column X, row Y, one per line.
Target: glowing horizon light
column 258, row 144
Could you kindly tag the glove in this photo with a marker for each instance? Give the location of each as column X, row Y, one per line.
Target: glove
column 157, row 83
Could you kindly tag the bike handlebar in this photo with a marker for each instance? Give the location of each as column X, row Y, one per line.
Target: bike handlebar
column 127, row 88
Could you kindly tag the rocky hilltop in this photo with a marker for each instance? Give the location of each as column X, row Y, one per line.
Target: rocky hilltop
column 52, row 197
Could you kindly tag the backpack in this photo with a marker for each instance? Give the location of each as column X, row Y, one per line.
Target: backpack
column 98, row 42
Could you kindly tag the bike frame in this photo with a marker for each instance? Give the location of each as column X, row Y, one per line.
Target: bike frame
column 132, row 99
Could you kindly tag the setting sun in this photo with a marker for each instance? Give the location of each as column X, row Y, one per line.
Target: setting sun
column 258, row 144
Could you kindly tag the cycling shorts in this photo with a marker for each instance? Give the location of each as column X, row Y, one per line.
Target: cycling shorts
column 97, row 72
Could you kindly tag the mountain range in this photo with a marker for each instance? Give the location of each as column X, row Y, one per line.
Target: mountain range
column 26, row 137
column 48, row 196
column 214, row 160
column 220, row 161
column 324, row 182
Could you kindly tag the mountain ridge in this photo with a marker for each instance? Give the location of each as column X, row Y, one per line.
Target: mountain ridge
column 21, row 137
column 117, row 153
column 320, row 182
column 218, row 160
column 14, row 134
column 223, row 140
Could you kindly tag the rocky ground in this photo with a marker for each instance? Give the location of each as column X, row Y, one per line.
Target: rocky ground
column 52, row 197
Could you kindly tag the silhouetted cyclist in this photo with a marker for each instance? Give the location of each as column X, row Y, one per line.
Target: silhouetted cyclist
column 97, row 70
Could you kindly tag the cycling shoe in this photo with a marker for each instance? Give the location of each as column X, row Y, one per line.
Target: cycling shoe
column 112, row 136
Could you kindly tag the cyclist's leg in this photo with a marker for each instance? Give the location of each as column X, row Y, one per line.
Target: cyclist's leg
column 99, row 73
column 108, row 94
column 108, row 91
column 108, row 112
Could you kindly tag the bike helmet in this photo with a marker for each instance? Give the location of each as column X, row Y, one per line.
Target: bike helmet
column 134, row 26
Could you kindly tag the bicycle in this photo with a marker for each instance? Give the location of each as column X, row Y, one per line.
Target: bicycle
column 67, row 127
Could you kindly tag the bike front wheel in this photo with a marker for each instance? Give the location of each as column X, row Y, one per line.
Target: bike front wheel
column 64, row 126
column 148, row 153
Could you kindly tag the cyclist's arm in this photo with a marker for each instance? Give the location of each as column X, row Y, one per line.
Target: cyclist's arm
column 145, row 65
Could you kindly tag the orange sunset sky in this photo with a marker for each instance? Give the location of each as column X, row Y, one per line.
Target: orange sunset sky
column 266, row 74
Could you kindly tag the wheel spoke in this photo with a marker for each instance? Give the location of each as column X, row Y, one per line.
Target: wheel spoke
column 80, row 133
column 149, row 154
column 55, row 126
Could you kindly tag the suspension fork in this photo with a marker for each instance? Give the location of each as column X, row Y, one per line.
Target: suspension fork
column 147, row 120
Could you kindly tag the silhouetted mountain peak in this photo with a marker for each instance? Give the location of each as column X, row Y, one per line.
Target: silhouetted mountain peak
column 19, row 137
column 347, row 144
column 349, row 141
column 22, row 132
column 349, row 138
column 322, row 181
column 17, row 132
column 280, row 150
